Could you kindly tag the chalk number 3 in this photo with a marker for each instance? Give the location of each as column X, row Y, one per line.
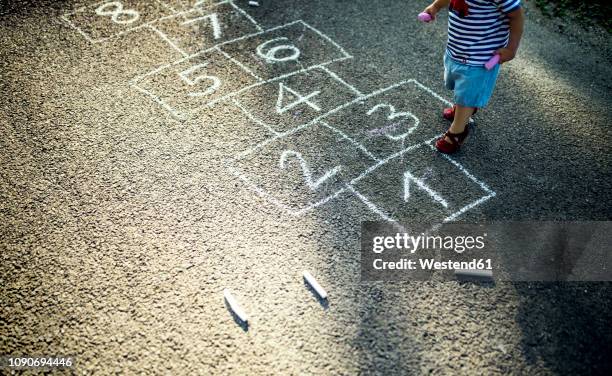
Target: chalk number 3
column 393, row 114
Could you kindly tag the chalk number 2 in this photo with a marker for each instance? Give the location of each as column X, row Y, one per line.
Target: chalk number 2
column 310, row 181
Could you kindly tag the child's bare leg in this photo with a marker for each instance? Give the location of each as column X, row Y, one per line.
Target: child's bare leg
column 462, row 116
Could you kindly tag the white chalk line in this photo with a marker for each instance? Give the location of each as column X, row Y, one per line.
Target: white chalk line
column 453, row 216
column 193, row 112
column 190, row 10
column 349, row 185
column 274, row 79
column 87, row 37
column 166, row 5
column 433, row 93
column 252, row 118
column 264, row 194
column 339, row 79
column 318, row 118
column 269, row 127
column 174, row 14
column 384, row 216
column 230, row 95
column 351, row 140
column 464, row 170
column 306, row 172
column 159, row 101
column 346, row 54
column 168, row 40
column 483, row 186
column 245, row 14
column 228, row 42
column 390, row 157
column 408, row 178
column 247, row 70
column 99, row 40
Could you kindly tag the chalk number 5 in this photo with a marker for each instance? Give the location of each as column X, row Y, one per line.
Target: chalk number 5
column 190, row 77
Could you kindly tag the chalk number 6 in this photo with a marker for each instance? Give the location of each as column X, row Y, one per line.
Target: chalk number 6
column 275, row 54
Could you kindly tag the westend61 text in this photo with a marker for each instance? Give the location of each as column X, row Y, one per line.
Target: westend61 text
column 431, row 264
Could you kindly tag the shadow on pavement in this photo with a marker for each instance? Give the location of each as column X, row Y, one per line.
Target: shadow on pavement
column 567, row 326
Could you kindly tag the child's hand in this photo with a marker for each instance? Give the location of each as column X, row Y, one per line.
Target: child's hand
column 505, row 54
column 432, row 10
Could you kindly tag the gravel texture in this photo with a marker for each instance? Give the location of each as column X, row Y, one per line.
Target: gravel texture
column 120, row 225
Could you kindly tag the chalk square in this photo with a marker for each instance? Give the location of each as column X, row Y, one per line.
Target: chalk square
column 201, row 28
column 393, row 119
column 287, row 103
column 421, row 184
column 186, row 86
column 301, row 170
column 284, row 50
column 101, row 21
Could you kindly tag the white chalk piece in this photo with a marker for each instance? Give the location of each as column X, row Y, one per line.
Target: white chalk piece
column 234, row 306
column 315, row 285
column 474, row 273
column 254, row 3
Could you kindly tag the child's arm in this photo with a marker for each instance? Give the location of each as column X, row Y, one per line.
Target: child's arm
column 436, row 6
column 517, row 22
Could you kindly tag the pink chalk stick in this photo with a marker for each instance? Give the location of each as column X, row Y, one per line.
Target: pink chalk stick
column 424, row 17
column 493, row 62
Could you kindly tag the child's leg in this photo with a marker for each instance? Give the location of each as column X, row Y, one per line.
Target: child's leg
column 462, row 117
column 460, row 122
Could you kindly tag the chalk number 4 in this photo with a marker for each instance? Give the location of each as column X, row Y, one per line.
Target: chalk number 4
column 307, row 100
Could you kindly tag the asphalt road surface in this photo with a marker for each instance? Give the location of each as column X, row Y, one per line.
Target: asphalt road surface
column 144, row 171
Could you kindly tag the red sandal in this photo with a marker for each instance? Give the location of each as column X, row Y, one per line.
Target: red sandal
column 449, row 113
column 457, row 139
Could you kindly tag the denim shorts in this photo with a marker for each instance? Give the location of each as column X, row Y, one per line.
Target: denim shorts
column 473, row 86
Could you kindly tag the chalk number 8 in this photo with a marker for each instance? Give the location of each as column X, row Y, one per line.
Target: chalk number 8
column 117, row 13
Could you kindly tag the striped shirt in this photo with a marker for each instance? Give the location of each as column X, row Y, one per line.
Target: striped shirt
column 473, row 40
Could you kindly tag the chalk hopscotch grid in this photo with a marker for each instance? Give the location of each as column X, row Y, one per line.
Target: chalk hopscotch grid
column 180, row 116
column 200, row 10
column 150, row 24
column 349, row 187
column 361, row 97
column 430, row 143
column 277, row 136
column 258, row 121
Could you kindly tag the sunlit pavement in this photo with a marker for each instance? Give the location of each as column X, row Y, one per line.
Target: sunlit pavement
column 152, row 155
